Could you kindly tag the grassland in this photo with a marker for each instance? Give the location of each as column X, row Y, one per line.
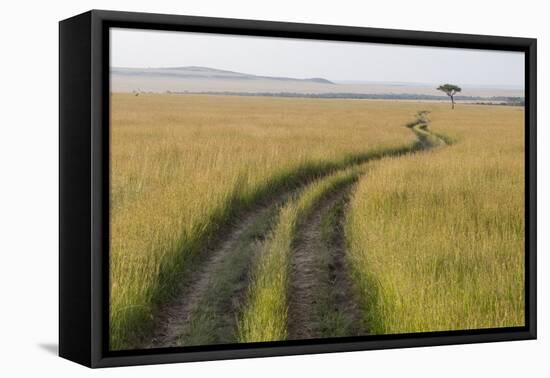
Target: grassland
column 183, row 166
column 316, row 309
column 436, row 239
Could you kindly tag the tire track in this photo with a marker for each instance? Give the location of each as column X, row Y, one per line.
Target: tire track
column 218, row 284
column 207, row 307
column 322, row 300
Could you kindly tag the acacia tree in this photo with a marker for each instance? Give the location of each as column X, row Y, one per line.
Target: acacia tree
column 450, row 90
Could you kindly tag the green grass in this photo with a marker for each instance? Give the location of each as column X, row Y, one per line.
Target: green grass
column 265, row 314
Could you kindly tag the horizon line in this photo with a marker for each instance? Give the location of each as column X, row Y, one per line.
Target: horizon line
column 336, row 81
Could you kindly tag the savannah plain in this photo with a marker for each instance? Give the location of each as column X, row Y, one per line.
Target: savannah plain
column 247, row 219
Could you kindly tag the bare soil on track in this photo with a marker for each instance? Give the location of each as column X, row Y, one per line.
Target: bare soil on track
column 321, row 299
column 176, row 318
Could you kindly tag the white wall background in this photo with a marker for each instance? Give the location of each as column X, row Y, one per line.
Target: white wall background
column 29, row 189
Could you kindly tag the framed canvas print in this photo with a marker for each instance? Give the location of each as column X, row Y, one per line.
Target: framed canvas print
column 234, row 188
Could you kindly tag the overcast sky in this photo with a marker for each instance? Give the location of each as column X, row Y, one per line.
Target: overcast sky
column 336, row 61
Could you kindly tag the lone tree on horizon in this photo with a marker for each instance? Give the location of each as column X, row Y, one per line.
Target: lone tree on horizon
column 450, row 90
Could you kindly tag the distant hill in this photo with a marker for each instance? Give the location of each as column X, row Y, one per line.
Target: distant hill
column 196, row 79
column 206, row 73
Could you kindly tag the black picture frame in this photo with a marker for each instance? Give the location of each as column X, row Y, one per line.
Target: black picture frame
column 84, row 186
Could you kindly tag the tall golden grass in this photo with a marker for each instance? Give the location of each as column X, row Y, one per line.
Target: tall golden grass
column 182, row 165
column 436, row 239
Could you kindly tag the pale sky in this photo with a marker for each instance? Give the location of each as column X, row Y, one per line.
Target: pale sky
column 299, row 58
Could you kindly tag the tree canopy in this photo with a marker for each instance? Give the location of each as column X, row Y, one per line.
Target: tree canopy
column 450, row 90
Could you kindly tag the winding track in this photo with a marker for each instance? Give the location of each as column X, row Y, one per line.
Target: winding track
column 322, row 301
column 224, row 275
